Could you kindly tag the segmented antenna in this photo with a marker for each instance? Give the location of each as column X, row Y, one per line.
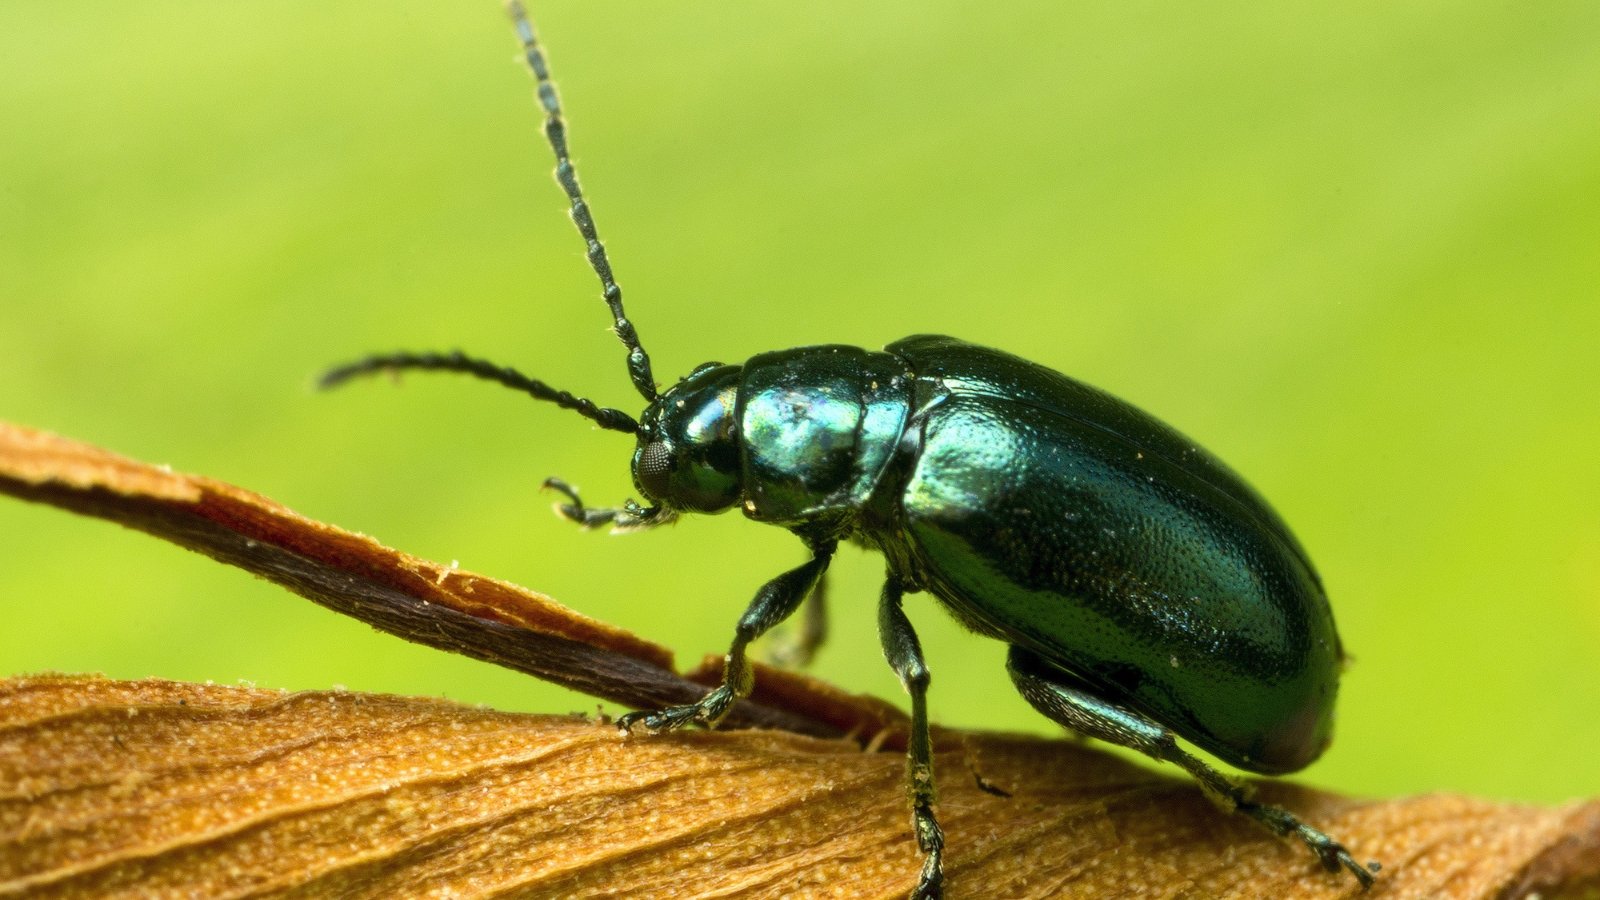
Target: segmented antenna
column 555, row 129
column 456, row 361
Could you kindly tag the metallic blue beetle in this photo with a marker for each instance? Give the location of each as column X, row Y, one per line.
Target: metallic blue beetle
column 1146, row 592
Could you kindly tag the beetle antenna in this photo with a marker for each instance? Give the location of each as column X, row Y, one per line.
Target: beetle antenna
column 555, row 130
column 610, row 419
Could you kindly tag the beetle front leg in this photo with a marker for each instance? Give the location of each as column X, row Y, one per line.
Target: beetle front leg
column 1054, row 693
column 904, row 652
column 774, row 602
column 796, row 651
column 628, row 517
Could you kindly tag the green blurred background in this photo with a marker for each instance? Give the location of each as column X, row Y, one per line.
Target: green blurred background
column 1353, row 250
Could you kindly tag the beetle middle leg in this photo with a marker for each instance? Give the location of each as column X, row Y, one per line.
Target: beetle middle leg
column 904, row 652
column 774, row 602
column 1058, row 695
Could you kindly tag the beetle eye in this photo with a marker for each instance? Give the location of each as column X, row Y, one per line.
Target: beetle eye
column 654, row 470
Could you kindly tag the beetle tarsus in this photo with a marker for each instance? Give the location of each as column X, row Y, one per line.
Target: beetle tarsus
column 628, row 517
column 930, row 840
column 708, row 712
column 1332, row 854
column 574, row 510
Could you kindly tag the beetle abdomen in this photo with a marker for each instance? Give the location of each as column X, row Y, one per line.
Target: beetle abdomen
column 1153, row 584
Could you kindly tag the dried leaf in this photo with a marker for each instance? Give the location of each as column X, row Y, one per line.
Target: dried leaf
column 157, row 788
column 160, row 788
column 413, row 598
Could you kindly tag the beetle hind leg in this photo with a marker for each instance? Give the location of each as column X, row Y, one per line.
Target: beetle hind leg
column 1054, row 693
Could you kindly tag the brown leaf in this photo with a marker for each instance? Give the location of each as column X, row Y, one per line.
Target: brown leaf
column 159, row 788
column 417, row 599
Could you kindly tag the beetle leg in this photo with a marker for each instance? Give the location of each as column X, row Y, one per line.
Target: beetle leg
column 1053, row 693
column 796, row 651
column 904, row 652
column 629, row 517
column 774, row 602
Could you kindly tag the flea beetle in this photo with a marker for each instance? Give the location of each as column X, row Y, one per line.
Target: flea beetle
column 1146, row 592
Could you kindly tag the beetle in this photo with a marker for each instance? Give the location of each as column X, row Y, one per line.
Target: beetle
column 1146, row 591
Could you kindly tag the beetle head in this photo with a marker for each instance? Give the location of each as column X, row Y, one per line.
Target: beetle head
column 688, row 453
